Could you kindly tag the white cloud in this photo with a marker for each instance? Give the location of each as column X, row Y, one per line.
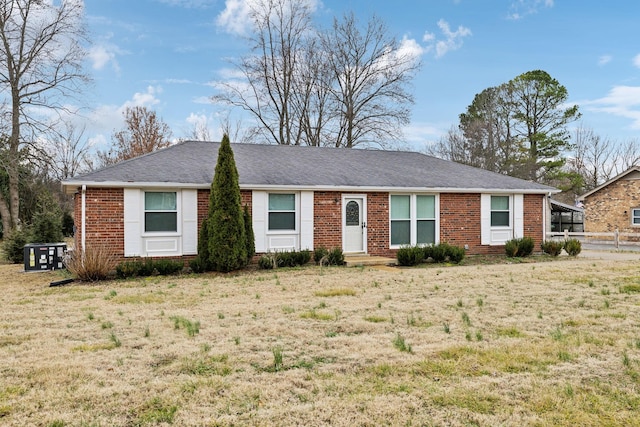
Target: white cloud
column 189, row 4
column 522, row 8
column 409, row 48
column 604, row 59
column 622, row 101
column 451, row 40
column 236, row 16
column 636, row 60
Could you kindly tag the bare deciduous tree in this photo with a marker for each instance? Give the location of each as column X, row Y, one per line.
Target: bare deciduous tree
column 594, row 157
column 269, row 74
column 41, row 63
column 627, row 155
column 370, row 74
column 342, row 87
column 144, row 133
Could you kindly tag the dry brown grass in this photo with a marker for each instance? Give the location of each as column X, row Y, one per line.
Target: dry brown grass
column 552, row 343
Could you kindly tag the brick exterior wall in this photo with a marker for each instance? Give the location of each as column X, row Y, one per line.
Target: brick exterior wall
column 327, row 219
column 104, row 219
column 610, row 207
column 459, row 218
column 534, row 206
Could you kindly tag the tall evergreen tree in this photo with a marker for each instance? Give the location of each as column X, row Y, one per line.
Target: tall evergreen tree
column 226, row 229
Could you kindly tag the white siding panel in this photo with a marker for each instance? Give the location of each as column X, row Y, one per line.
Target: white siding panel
column 485, row 219
column 306, row 220
column 518, row 216
column 259, row 217
column 189, row 222
column 132, row 225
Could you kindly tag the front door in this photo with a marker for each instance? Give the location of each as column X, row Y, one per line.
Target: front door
column 354, row 224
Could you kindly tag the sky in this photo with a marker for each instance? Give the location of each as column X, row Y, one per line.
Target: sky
column 167, row 55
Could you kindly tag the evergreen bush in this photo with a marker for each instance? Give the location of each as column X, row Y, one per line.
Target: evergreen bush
column 46, row 224
column 319, row 253
column 197, row 265
column 456, row 254
column 552, row 247
column 226, row 228
column 13, row 245
column 520, row 247
column 439, row 252
column 335, row 257
column 410, row 255
column 573, row 247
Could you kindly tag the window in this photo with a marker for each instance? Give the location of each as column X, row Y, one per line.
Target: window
column 500, row 213
column 426, row 219
column 400, row 220
column 635, row 216
column 413, row 219
column 160, row 212
column 282, row 211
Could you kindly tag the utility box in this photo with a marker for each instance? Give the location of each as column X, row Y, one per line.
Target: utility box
column 44, row 256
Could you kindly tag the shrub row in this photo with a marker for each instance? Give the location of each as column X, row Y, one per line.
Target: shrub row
column 413, row 255
column 148, row 267
column 554, row 247
column 284, row 259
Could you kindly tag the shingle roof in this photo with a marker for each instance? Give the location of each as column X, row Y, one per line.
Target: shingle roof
column 192, row 163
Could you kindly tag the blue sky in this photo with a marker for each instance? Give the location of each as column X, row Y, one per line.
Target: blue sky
column 167, row 54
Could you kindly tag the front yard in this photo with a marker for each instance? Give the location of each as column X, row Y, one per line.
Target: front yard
column 550, row 343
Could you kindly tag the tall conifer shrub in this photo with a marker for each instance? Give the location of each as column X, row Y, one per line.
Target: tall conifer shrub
column 227, row 243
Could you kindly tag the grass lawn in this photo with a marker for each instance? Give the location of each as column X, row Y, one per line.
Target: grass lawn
column 552, row 343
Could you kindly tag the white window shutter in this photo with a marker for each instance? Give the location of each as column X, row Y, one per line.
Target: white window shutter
column 189, row 222
column 258, row 216
column 518, row 216
column 306, row 220
column 132, row 226
column 485, row 219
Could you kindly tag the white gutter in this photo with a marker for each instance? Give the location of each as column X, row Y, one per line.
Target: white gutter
column 83, row 221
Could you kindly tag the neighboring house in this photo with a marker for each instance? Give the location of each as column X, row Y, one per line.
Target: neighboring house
column 566, row 217
column 363, row 201
column 614, row 204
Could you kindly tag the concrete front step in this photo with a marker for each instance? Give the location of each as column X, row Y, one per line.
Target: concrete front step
column 359, row 260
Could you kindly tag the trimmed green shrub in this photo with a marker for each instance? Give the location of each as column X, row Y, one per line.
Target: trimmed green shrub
column 439, row 252
column 520, row 247
column 335, row 257
column 573, row 247
column 267, row 262
column 427, row 252
column 552, row 247
column 456, row 254
column 410, row 255
column 166, row 267
column 319, row 253
column 148, row 267
column 197, row 265
column 511, row 248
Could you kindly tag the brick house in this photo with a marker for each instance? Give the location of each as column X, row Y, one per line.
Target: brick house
column 363, row 201
column 614, row 204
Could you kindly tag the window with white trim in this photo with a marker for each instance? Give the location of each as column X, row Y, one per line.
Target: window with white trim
column 160, row 211
column 282, row 212
column 413, row 219
column 500, row 211
column 635, row 216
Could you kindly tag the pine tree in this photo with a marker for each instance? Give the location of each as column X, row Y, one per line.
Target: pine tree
column 226, row 229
